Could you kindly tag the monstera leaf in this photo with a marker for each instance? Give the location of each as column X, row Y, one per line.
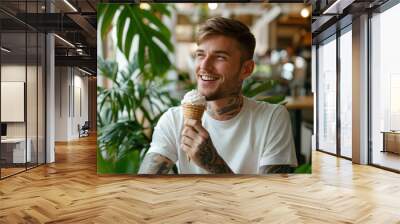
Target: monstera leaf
column 142, row 27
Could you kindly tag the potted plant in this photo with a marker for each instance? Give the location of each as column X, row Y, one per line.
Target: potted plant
column 129, row 109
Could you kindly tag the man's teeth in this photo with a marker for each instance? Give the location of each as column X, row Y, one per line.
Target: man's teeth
column 208, row 78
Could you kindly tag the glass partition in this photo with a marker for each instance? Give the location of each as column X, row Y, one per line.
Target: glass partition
column 13, row 95
column 22, row 77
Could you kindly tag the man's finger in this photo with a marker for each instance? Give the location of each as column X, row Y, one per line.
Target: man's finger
column 201, row 131
column 186, row 149
column 187, row 141
column 197, row 127
column 189, row 132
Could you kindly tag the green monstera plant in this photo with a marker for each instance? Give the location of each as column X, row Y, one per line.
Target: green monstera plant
column 127, row 113
column 129, row 109
column 153, row 37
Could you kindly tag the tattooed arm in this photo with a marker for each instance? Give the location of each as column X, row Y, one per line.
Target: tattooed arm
column 276, row 169
column 209, row 159
column 154, row 163
column 197, row 143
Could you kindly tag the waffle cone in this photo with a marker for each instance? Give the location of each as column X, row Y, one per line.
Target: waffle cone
column 194, row 112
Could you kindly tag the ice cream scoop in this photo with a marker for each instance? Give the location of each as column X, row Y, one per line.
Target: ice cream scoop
column 194, row 97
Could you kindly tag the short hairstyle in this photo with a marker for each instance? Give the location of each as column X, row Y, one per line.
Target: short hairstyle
column 230, row 28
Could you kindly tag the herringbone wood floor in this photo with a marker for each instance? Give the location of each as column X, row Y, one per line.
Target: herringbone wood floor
column 70, row 191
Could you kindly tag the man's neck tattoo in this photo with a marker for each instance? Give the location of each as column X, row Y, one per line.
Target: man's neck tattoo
column 232, row 107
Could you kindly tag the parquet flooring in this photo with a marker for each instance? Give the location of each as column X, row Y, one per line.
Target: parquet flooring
column 387, row 159
column 70, row 191
column 9, row 171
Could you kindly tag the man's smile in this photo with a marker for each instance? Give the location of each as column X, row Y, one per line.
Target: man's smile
column 208, row 77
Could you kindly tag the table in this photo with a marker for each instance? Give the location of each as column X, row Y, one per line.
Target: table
column 13, row 150
column 391, row 141
column 299, row 103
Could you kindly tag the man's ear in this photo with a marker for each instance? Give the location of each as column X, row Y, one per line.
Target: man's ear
column 247, row 69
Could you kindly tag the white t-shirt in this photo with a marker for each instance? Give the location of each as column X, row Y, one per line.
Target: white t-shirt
column 259, row 135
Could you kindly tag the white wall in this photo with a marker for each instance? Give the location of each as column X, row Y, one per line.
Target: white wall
column 12, row 73
column 61, row 103
column 80, row 97
column 33, row 126
column 70, row 83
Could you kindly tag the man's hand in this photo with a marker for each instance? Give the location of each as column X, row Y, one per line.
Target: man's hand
column 197, row 144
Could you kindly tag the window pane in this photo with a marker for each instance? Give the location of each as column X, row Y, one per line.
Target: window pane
column 327, row 97
column 385, row 88
column 345, row 94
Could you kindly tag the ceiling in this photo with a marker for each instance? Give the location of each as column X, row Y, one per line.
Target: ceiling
column 72, row 20
column 326, row 15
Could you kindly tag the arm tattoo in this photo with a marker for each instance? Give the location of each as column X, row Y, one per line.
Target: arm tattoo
column 154, row 163
column 211, row 161
column 276, row 169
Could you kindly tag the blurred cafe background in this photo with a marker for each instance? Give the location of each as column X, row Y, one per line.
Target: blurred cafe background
column 282, row 74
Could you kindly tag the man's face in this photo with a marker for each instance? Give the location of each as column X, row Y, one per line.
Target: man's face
column 219, row 69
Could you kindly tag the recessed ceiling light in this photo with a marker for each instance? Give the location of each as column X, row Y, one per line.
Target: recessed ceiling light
column 64, row 40
column 70, row 5
column 84, row 71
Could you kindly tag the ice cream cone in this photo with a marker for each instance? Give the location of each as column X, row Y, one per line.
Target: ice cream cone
column 194, row 112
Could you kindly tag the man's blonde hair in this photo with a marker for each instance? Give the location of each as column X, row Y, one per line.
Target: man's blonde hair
column 230, row 28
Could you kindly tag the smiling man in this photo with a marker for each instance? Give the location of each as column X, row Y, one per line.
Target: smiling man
column 237, row 135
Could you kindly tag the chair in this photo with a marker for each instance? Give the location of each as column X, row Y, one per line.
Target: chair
column 84, row 130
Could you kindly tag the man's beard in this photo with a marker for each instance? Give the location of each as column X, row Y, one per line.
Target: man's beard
column 223, row 93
